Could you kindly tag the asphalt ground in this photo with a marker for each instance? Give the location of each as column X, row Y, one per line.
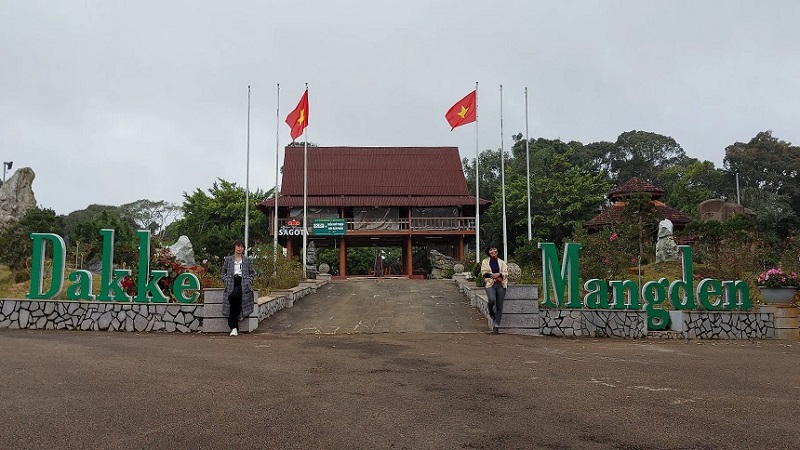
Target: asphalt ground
column 289, row 387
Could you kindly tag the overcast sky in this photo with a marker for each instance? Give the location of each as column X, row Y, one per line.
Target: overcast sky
column 114, row 101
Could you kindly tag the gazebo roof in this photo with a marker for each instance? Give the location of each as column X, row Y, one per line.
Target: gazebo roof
column 614, row 214
column 633, row 186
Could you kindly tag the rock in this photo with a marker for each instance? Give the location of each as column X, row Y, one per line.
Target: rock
column 16, row 197
column 324, row 268
column 183, row 251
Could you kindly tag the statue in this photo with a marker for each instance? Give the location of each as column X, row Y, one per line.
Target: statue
column 666, row 249
column 311, row 260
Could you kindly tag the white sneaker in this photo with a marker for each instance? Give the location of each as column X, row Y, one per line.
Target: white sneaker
column 234, row 332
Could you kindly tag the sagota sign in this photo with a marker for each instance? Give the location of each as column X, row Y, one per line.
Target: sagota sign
column 186, row 286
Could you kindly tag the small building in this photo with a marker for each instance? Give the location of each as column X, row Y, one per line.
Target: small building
column 614, row 213
column 414, row 198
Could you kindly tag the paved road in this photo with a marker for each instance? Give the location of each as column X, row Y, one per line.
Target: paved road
column 413, row 390
column 380, row 305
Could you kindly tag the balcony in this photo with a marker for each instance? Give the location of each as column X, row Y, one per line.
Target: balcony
column 416, row 225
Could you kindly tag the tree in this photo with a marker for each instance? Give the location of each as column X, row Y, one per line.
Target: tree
column 213, row 221
column 641, row 218
column 87, row 240
column 688, row 184
column 766, row 163
column 640, row 154
column 151, row 215
column 16, row 246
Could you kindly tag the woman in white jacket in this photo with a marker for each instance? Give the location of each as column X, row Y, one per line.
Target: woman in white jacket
column 495, row 274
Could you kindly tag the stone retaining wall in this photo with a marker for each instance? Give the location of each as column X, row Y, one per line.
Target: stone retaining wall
column 140, row 317
column 726, row 324
column 767, row 322
column 594, row 323
column 99, row 316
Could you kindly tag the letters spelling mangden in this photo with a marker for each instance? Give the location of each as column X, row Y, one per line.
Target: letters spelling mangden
column 712, row 294
column 81, row 281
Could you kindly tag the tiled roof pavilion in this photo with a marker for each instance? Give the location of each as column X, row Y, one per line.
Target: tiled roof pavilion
column 614, row 213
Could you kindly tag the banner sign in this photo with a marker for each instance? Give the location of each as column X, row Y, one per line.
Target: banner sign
column 329, row 227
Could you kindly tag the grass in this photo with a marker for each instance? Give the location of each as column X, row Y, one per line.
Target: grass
column 10, row 289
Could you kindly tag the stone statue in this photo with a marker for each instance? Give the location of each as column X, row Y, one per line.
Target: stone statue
column 439, row 263
column 666, row 249
column 311, row 260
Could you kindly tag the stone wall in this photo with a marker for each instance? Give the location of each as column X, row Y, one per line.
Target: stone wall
column 727, row 324
column 139, row 317
column 99, row 316
column 767, row 322
column 594, row 323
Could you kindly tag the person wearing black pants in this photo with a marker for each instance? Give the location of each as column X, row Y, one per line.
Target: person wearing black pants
column 495, row 274
column 237, row 277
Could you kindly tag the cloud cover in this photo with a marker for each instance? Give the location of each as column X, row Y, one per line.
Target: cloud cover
column 114, row 101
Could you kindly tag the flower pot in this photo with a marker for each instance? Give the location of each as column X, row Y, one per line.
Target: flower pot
column 778, row 296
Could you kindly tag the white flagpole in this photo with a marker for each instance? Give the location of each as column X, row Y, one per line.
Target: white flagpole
column 503, row 176
column 477, row 184
column 247, row 182
column 276, row 192
column 528, row 165
column 305, row 196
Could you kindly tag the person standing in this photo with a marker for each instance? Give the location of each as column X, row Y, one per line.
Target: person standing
column 495, row 275
column 237, row 277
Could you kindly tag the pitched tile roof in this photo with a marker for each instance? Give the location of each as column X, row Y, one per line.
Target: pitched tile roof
column 377, row 176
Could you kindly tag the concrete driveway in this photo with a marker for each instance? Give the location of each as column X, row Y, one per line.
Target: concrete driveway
column 287, row 387
column 380, row 305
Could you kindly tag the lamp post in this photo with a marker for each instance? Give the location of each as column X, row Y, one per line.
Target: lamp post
column 6, row 165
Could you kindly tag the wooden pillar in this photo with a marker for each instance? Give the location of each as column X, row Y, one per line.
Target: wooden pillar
column 460, row 249
column 342, row 258
column 408, row 268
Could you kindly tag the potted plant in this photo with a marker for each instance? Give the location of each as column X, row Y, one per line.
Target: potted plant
column 778, row 286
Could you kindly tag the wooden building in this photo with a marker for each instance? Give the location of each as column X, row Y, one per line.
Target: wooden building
column 414, row 198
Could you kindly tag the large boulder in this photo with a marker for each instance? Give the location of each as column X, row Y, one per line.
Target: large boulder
column 16, row 197
column 183, row 251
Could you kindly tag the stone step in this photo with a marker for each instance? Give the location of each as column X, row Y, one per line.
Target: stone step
column 220, row 325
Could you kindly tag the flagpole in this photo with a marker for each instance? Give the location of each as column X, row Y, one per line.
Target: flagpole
column 305, row 197
column 247, row 182
column 528, row 165
column 477, row 183
column 276, row 192
column 503, row 176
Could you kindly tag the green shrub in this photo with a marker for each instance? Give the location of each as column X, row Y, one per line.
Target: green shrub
column 274, row 273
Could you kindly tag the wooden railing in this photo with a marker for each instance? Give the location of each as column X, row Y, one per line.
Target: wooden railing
column 415, row 224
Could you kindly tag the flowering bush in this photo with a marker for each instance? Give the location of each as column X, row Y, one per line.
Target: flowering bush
column 776, row 277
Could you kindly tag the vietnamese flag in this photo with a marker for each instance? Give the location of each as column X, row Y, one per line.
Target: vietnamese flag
column 464, row 111
column 298, row 119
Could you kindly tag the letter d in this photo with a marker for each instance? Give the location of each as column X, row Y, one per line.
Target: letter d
column 37, row 269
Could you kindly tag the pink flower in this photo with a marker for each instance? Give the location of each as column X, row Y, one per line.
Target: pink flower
column 613, row 236
column 605, row 261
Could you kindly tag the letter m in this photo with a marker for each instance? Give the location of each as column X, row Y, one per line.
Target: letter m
column 564, row 282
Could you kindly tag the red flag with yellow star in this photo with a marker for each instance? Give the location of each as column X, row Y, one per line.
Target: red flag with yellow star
column 298, row 119
column 463, row 112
